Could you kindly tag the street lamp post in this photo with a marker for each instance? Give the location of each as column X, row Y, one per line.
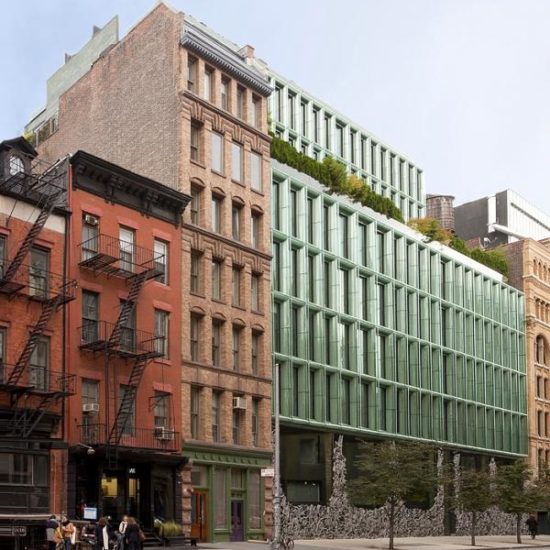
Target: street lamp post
column 276, row 466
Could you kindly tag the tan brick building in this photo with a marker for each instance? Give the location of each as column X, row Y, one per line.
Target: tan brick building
column 530, row 272
column 179, row 104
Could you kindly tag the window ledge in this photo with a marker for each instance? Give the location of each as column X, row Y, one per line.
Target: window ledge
column 221, row 174
column 197, row 163
column 198, row 294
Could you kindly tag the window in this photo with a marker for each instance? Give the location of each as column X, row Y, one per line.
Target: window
column 255, row 352
column 195, row 272
column 16, row 469
column 276, row 327
column 161, row 332
column 90, row 238
column 255, row 171
column 217, row 152
column 303, row 117
column 38, row 272
column 237, row 162
column 291, row 110
column 216, row 395
column 326, row 226
column 39, row 362
column 216, row 279
column 216, row 214
column 192, row 64
column 327, row 131
column 340, row 140
column 255, row 297
column 294, row 212
column 207, row 85
column 255, row 409
column 236, row 350
column 90, row 396
column 160, row 251
column 255, row 225
column 220, row 503
column 90, row 316
column 236, row 286
column 352, row 142
column 195, row 204
column 225, row 93
column 216, row 342
column 127, row 246
column 161, row 409
column 195, row 142
column 236, row 424
column 236, row 212
column 294, row 328
column 256, row 111
column 346, row 403
column 2, row 352
column 344, row 238
column 540, row 349
column 128, row 397
column 241, row 96
column 316, row 124
column 128, row 327
column 195, row 407
column 195, row 337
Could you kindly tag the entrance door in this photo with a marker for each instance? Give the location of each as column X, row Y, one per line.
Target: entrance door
column 133, row 507
column 199, row 515
column 237, row 524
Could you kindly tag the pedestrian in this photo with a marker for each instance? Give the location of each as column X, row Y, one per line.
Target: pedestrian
column 51, row 525
column 133, row 538
column 69, row 534
column 102, row 535
column 532, row 525
column 122, row 530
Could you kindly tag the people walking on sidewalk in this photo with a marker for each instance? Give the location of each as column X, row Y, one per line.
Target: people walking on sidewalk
column 532, row 525
column 133, row 538
column 51, row 525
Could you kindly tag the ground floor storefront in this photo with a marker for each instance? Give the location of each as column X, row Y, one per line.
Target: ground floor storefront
column 145, row 485
column 225, row 494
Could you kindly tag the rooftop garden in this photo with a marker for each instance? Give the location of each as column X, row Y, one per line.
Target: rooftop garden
column 494, row 259
column 332, row 174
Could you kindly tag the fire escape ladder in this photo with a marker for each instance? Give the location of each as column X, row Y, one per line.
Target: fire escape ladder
column 127, row 308
column 46, row 208
column 128, row 400
column 49, row 307
column 24, row 423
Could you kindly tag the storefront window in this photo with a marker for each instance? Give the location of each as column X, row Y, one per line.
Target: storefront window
column 254, row 499
column 199, row 476
column 221, row 499
column 237, row 479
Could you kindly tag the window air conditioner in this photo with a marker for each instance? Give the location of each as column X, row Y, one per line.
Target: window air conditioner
column 239, row 403
column 90, row 220
column 90, row 407
column 164, row 434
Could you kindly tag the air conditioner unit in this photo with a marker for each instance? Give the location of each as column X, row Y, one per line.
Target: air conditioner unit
column 164, row 434
column 239, row 403
column 90, row 220
column 90, row 407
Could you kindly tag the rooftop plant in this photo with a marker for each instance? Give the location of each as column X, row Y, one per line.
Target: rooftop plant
column 332, row 174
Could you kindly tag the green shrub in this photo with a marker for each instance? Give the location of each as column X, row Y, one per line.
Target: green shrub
column 332, row 174
column 170, row 529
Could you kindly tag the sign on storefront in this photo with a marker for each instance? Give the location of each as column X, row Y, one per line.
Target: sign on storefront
column 268, row 472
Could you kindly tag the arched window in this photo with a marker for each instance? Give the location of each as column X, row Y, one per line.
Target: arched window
column 540, row 349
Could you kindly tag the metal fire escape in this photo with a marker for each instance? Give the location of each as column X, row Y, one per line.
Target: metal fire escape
column 47, row 193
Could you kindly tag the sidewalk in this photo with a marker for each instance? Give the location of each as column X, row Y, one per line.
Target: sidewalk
column 411, row 543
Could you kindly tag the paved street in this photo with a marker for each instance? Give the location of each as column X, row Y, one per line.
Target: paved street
column 413, row 543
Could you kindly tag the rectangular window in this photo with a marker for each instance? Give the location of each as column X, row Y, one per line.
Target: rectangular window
column 90, row 317
column 327, row 131
column 236, row 286
column 276, row 327
column 39, row 365
column 326, row 227
column 328, row 397
column 340, row 140
column 16, row 469
column 236, row 425
column 225, row 87
column 256, row 111
column 160, row 250
column 128, row 328
column 216, row 396
column 255, row 225
column 195, row 141
column 316, row 125
column 383, row 163
column 195, row 205
column 236, row 348
column 195, row 272
column 255, row 420
column 217, row 152
column 195, row 337
column 255, row 171
column 344, row 237
column 255, row 352
column 220, row 502
column 128, row 397
column 216, row 280
column 216, row 342
column 241, row 97
column 346, row 403
column 216, row 214
column 373, row 158
column 90, row 239
column 296, row 391
column 90, row 396
column 192, row 64
column 294, row 212
column 237, row 162
column 291, row 110
column 127, row 238
column 39, row 272
column 195, row 407
column 255, row 298
column 352, row 145
column 345, row 290
column 162, row 401
column 236, row 212
column 207, row 86
column 162, row 323
column 294, row 319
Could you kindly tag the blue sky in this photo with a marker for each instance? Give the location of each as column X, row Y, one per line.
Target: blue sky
column 460, row 86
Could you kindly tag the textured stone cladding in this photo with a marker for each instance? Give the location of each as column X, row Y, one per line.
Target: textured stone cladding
column 340, row 519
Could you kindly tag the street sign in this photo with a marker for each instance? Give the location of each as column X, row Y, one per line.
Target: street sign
column 268, row 472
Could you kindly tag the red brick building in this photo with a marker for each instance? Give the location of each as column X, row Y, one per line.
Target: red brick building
column 34, row 374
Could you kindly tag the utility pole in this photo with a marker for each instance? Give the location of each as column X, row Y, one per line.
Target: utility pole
column 276, row 466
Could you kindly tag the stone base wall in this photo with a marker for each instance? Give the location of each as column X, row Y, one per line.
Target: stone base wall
column 341, row 519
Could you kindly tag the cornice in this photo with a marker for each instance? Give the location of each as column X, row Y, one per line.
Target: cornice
column 200, row 44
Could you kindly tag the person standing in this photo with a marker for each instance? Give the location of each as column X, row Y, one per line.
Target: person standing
column 102, row 535
column 133, row 538
column 122, row 530
column 532, row 525
column 69, row 534
column 51, row 525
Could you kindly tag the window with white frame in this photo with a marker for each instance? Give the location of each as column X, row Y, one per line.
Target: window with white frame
column 255, row 171
column 162, row 321
column 237, row 162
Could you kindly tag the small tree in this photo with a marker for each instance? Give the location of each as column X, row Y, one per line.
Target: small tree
column 474, row 495
column 516, row 491
column 392, row 472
